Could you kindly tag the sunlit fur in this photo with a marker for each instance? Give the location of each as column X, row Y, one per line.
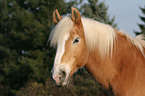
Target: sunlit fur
column 138, row 42
column 97, row 36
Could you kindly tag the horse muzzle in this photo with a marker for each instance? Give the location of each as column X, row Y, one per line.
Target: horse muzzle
column 61, row 79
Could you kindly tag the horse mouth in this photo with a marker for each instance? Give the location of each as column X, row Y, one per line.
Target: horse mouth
column 61, row 81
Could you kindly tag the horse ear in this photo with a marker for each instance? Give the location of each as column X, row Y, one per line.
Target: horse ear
column 56, row 16
column 75, row 15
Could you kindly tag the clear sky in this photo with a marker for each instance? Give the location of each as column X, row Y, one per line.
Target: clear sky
column 126, row 14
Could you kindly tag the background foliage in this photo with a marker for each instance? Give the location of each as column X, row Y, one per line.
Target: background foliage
column 26, row 61
column 141, row 26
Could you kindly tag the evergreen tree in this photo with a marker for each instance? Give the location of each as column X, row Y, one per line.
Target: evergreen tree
column 24, row 30
column 98, row 11
column 141, row 26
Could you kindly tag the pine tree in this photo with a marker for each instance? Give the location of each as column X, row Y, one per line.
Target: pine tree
column 98, row 11
column 141, row 26
column 24, row 31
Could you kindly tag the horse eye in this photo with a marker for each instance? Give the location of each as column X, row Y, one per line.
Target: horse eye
column 76, row 40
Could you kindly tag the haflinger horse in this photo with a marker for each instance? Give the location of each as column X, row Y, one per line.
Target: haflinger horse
column 113, row 58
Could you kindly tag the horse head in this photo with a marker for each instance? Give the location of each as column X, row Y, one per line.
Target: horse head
column 68, row 36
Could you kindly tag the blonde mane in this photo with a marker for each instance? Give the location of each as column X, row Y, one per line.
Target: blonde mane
column 97, row 35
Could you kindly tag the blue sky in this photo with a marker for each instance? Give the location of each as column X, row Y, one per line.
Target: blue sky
column 126, row 14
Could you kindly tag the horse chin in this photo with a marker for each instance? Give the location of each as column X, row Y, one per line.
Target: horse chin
column 63, row 84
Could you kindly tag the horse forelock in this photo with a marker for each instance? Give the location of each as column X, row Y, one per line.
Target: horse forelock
column 60, row 30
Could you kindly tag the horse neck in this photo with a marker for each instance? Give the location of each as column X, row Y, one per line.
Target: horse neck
column 120, row 69
column 102, row 70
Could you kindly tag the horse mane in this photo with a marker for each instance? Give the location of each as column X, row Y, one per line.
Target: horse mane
column 98, row 36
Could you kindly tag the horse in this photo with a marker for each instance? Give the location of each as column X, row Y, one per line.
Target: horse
column 113, row 58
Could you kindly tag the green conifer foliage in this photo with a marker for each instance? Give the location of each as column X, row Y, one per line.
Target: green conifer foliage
column 141, row 26
column 24, row 31
column 98, row 11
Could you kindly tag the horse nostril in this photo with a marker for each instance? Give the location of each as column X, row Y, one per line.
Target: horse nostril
column 63, row 75
column 59, row 78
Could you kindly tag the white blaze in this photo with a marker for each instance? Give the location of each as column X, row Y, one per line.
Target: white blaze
column 57, row 62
